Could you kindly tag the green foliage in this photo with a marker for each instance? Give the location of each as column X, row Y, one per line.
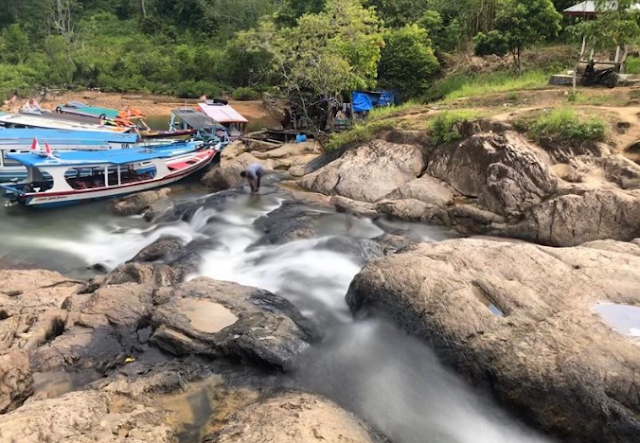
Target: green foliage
column 445, row 37
column 399, row 13
column 15, row 44
column 443, row 128
column 567, row 125
column 470, row 85
column 632, row 65
column 520, row 24
column 360, row 133
column 493, row 42
column 246, row 93
column 407, row 62
column 612, row 27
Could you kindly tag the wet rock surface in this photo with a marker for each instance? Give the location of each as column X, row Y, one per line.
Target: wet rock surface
column 211, row 318
column 294, row 417
column 293, row 157
column 519, row 318
column 138, row 203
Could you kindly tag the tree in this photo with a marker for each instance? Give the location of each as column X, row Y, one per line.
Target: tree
column 408, row 62
column 445, row 37
column 324, row 55
column 520, row 24
column 398, row 13
column 16, row 44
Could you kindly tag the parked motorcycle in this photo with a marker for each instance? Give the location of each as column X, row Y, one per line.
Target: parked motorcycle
column 593, row 76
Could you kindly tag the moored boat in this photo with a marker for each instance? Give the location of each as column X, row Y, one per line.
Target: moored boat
column 51, row 120
column 63, row 178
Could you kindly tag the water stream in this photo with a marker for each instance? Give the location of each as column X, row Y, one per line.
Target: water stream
column 370, row 367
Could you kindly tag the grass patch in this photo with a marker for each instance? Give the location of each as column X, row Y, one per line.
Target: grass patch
column 443, row 127
column 469, row 85
column 632, row 65
column 580, row 98
column 360, row 133
column 567, row 124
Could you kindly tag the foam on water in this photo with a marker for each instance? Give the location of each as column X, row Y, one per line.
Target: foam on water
column 392, row 380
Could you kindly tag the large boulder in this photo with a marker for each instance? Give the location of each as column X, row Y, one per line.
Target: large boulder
column 138, row 203
column 520, row 318
column 227, row 174
column 82, row 417
column 213, row 318
column 573, row 219
column 506, row 172
column 16, row 381
column 368, row 172
column 426, row 189
column 295, row 418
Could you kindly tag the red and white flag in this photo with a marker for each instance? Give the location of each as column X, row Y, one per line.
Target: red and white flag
column 35, row 146
column 47, row 150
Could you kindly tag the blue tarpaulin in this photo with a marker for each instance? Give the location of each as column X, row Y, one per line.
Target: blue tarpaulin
column 365, row 101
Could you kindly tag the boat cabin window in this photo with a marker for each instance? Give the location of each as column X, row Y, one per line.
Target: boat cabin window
column 94, row 177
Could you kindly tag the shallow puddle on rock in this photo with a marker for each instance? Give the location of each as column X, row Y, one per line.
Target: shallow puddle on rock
column 57, row 383
column 206, row 315
column 191, row 410
column 495, row 310
column 625, row 319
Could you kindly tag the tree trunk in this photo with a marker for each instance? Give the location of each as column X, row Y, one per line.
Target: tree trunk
column 144, row 8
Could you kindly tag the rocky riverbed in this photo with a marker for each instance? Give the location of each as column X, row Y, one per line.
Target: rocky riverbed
column 284, row 317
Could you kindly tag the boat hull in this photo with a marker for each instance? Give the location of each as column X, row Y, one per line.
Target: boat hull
column 175, row 135
column 58, row 199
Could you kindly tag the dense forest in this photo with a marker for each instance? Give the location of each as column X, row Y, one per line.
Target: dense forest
column 324, row 47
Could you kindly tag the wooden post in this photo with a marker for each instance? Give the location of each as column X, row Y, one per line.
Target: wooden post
column 575, row 70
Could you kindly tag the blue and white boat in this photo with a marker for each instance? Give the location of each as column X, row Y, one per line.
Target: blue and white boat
column 20, row 141
column 64, row 178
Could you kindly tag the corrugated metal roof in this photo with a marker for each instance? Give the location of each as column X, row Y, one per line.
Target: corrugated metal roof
column 222, row 113
column 589, row 8
column 195, row 119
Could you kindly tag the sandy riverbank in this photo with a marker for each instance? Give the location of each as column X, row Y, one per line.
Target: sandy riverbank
column 149, row 104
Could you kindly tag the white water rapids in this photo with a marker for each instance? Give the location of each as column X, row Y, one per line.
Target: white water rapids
column 390, row 379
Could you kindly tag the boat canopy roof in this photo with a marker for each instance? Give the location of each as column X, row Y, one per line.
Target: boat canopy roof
column 93, row 110
column 49, row 135
column 112, row 157
column 195, row 119
column 222, row 113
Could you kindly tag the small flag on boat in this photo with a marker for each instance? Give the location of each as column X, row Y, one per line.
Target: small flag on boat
column 47, row 150
column 35, row 146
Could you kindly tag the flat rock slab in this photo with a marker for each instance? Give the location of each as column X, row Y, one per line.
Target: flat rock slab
column 213, row 318
column 82, row 417
column 295, row 418
column 522, row 319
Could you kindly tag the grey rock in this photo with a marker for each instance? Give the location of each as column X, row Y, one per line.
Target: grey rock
column 548, row 353
column 212, row 318
column 368, row 172
column 138, row 203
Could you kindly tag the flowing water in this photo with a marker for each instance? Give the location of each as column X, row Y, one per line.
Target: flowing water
column 370, row 367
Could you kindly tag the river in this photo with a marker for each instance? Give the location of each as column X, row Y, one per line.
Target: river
column 368, row 366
